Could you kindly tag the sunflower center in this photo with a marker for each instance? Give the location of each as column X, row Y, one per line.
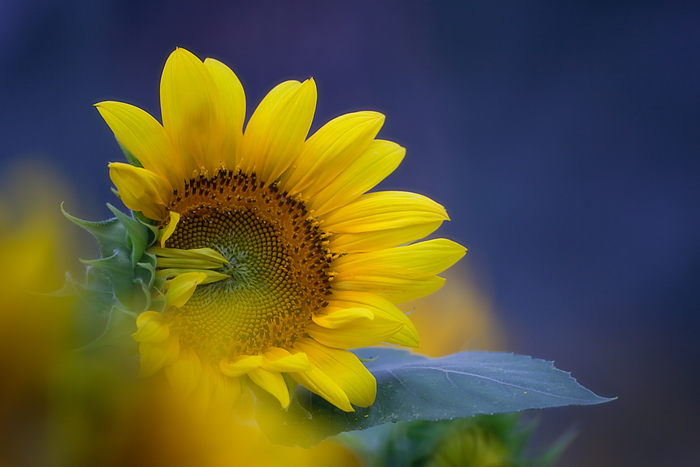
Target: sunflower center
column 277, row 272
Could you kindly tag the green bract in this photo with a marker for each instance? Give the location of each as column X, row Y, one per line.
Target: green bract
column 121, row 283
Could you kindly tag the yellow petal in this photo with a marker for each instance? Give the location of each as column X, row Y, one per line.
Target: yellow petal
column 145, row 138
column 165, row 233
column 150, row 328
column 141, row 189
column 332, row 317
column 371, row 167
column 384, row 210
column 380, row 239
column 240, row 365
column 397, row 285
column 272, row 382
column 331, row 150
column 432, row 256
column 189, row 101
column 281, row 360
column 360, row 333
column 185, row 373
column 226, row 393
column 344, row 368
column 182, row 287
column 195, row 254
column 155, row 356
column 277, row 129
column 212, row 276
column 191, row 263
column 383, row 310
column 232, row 107
column 318, row 382
column 382, row 220
column 202, row 394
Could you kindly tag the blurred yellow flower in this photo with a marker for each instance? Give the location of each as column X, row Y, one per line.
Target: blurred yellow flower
column 456, row 318
column 276, row 261
column 34, row 328
column 104, row 422
column 471, row 447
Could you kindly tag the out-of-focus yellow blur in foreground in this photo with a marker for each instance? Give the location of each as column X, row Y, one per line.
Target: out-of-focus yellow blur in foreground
column 59, row 406
column 62, row 407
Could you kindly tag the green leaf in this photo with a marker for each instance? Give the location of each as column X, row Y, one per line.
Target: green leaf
column 414, row 387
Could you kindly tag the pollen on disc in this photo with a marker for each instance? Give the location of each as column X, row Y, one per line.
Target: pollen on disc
column 278, row 260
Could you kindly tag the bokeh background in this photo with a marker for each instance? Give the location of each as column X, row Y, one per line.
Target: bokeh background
column 563, row 137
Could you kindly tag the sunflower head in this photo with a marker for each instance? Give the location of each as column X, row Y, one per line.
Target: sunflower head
column 275, row 258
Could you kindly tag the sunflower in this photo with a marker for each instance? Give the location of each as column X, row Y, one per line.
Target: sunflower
column 276, row 260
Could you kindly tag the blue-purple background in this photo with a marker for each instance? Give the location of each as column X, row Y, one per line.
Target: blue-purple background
column 564, row 141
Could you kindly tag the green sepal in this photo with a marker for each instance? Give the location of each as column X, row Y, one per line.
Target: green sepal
column 96, row 300
column 158, row 304
column 148, row 261
column 95, row 294
column 129, row 157
column 109, row 234
column 126, row 285
column 143, row 219
column 118, row 331
column 120, row 284
column 146, row 273
column 139, row 235
column 122, row 242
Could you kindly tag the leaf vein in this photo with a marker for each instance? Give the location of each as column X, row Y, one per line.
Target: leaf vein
column 464, row 373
